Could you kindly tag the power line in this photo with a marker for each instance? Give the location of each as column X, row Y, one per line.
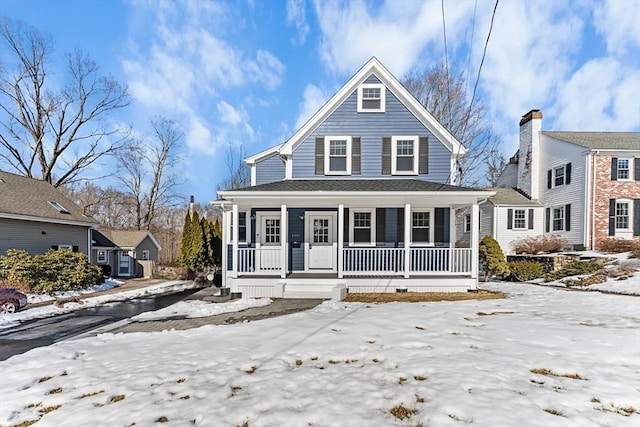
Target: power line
column 484, row 53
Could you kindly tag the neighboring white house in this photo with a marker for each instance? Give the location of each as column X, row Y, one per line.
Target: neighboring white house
column 363, row 197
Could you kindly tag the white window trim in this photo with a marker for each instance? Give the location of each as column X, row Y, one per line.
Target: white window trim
column 564, row 175
column 382, row 98
column 372, row 211
column 327, row 146
column 148, row 257
column 467, row 223
column 525, row 219
column 432, row 219
column 564, row 220
column 394, row 154
column 104, row 260
column 629, row 170
column 629, row 203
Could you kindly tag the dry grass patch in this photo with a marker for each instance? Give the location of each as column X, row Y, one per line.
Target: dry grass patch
column 401, row 412
column 550, row 373
column 26, row 423
column 117, row 398
column 298, row 362
column 43, row 379
column 50, row 409
column 56, row 390
column 181, row 380
column 91, row 394
column 553, row 412
column 419, row 378
column 251, row 370
column 493, row 313
column 162, row 419
column 422, row 296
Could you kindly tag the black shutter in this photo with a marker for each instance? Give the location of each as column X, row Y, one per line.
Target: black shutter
column 637, row 167
column 438, row 229
column 614, row 169
column 400, row 225
column 549, row 177
column 447, row 225
column 320, row 155
column 423, row 158
column 75, row 249
column 386, row 155
column 567, row 174
column 509, row 219
column 567, row 218
column 612, row 217
column 636, row 215
column 548, row 219
column 380, row 226
column 355, row 155
column 530, row 219
column 345, row 229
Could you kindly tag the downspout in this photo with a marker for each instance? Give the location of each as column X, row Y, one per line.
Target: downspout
column 89, row 244
column 593, row 202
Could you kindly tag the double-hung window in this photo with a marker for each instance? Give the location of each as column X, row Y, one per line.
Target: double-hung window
column 363, row 229
column 623, row 169
column 371, row 98
column 622, row 215
column 421, row 227
column 467, row 223
column 519, row 219
column 558, row 176
column 102, row 256
column 337, row 155
column 558, row 218
column 404, row 150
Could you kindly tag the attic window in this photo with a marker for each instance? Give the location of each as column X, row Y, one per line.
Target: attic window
column 371, row 98
column 59, row 207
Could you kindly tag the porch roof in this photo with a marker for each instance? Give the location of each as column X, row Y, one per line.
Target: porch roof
column 363, row 192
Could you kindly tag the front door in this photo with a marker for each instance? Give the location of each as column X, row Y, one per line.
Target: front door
column 321, row 253
column 268, row 255
column 124, row 264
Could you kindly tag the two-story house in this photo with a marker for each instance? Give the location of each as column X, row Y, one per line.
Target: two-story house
column 588, row 182
column 362, row 197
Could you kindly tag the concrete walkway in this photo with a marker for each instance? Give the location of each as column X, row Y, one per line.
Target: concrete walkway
column 278, row 307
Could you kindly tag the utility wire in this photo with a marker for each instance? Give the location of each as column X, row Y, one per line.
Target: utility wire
column 484, row 53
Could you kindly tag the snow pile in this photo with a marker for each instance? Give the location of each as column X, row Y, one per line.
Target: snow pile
column 196, row 308
column 541, row 357
column 109, row 283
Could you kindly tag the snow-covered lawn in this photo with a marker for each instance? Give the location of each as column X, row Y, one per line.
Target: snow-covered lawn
column 8, row 320
column 196, row 308
column 541, row 357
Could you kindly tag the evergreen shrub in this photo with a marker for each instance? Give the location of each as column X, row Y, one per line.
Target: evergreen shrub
column 492, row 258
column 523, row 271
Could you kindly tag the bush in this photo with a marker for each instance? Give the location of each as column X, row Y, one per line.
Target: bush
column 617, row 246
column 492, row 258
column 540, row 244
column 576, row 268
column 523, row 271
column 55, row 271
column 635, row 253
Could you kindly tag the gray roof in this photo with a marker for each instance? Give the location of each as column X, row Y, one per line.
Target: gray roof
column 100, row 240
column 511, row 197
column 30, row 197
column 355, row 185
column 600, row 140
column 125, row 238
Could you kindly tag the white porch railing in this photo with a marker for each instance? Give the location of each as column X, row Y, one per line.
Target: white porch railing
column 265, row 260
column 374, row 261
column 391, row 261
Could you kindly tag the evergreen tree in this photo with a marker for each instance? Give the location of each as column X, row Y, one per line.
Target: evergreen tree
column 198, row 252
column 492, row 258
column 185, row 244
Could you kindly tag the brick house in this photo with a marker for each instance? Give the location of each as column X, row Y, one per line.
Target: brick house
column 588, row 182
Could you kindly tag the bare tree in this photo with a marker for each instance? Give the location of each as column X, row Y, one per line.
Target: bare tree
column 239, row 174
column 148, row 171
column 49, row 133
column 444, row 96
column 495, row 163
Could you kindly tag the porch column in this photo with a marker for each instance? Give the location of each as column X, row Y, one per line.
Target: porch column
column 284, row 234
column 473, row 240
column 407, row 239
column 234, row 234
column 225, row 244
column 340, row 240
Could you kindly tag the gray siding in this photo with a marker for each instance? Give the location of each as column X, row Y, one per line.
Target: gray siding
column 371, row 127
column 38, row 237
column 147, row 244
column 270, row 169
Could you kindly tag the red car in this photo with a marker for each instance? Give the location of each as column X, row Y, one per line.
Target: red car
column 11, row 300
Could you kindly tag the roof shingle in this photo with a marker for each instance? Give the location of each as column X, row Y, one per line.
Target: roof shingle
column 600, row 140
column 355, row 185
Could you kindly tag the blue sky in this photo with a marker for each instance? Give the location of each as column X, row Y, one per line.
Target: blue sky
column 251, row 72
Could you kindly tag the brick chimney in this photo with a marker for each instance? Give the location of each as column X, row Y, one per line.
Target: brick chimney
column 529, row 154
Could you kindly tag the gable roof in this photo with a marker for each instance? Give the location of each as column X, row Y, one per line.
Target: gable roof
column 261, row 155
column 99, row 240
column 600, row 140
column 373, row 66
column 29, row 199
column 510, row 197
column 129, row 239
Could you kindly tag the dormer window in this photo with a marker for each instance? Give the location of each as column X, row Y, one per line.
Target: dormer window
column 58, row 207
column 371, row 98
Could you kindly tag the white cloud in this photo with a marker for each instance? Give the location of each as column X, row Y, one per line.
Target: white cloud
column 199, row 136
column 619, row 23
column 352, row 32
column 296, row 17
column 312, row 100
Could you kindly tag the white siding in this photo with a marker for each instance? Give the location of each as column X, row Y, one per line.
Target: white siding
column 506, row 237
column 555, row 153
